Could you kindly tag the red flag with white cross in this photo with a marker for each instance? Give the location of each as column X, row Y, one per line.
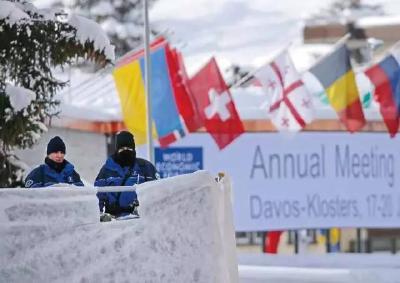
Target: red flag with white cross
column 290, row 105
column 215, row 105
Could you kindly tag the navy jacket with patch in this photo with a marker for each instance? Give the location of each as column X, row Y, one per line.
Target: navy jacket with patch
column 44, row 176
column 113, row 174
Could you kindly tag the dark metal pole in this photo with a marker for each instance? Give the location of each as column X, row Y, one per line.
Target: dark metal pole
column 358, row 248
column 328, row 241
column 296, row 242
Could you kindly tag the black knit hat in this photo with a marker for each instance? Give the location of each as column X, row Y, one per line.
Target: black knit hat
column 55, row 144
column 124, row 139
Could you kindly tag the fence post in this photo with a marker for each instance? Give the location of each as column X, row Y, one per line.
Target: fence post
column 296, row 242
column 358, row 247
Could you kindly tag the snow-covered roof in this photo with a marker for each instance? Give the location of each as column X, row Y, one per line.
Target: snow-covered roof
column 90, row 97
column 377, row 21
column 12, row 12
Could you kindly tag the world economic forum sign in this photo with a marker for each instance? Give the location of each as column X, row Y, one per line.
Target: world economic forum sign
column 178, row 160
column 309, row 180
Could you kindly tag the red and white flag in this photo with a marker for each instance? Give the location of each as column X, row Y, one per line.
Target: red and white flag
column 215, row 105
column 290, row 105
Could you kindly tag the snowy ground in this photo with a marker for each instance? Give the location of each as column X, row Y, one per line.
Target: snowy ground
column 319, row 268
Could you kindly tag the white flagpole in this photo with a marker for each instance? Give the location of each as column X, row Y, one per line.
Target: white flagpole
column 150, row 146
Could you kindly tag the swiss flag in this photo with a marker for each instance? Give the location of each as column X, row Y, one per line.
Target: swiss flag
column 215, row 105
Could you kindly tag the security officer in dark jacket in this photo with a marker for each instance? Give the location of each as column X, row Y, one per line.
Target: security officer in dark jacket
column 123, row 168
column 55, row 169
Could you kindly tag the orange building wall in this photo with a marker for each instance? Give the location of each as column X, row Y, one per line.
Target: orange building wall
column 250, row 126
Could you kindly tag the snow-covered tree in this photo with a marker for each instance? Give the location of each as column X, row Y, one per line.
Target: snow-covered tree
column 122, row 20
column 32, row 43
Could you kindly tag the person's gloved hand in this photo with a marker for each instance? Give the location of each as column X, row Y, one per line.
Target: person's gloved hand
column 105, row 217
column 135, row 203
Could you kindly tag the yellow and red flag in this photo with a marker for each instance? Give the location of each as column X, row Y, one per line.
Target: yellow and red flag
column 337, row 77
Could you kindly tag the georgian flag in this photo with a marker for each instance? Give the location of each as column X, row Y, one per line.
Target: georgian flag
column 290, row 106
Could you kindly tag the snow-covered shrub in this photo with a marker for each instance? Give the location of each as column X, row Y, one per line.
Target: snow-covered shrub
column 32, row 43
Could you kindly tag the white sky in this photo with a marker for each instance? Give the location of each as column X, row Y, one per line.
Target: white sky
column 241, row 31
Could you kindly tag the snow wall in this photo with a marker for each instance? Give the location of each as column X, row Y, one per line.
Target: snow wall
column 185, row 234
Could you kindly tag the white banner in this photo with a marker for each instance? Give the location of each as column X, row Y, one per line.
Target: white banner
column 309, row 180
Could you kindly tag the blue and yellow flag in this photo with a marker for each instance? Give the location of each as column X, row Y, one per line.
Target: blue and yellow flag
column 130, row 84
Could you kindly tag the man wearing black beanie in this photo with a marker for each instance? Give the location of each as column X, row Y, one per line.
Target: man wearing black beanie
column 123, row 168
column 55, row 169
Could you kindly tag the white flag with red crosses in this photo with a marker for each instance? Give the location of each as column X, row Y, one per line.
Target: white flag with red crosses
column 290, row 107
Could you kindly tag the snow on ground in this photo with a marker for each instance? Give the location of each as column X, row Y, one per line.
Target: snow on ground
column 319, row 268
column 278, row 274
column 333, row 260
column 185, row 234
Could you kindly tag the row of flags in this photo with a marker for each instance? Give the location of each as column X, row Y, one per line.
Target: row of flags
column 180, row 105
column 183, row 105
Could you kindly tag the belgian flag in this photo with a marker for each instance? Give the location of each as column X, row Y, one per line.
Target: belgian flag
column 337, row 77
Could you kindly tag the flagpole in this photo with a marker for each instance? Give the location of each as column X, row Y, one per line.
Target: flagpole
column 150, row 146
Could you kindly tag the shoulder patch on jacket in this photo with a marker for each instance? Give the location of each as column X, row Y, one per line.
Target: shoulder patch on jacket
column 28, row 183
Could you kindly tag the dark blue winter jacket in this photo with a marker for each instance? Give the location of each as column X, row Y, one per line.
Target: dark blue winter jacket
column 44, row 176
column 113, row 174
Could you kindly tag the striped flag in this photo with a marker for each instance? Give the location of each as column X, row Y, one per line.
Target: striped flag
column 291, row 107
column 129, row 80
column 337, row 77
column 385, row 77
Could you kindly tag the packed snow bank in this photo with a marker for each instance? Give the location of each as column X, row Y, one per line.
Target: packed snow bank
column 275, row 274
column 185, row 234
column 334, row 260
column 363, row 268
